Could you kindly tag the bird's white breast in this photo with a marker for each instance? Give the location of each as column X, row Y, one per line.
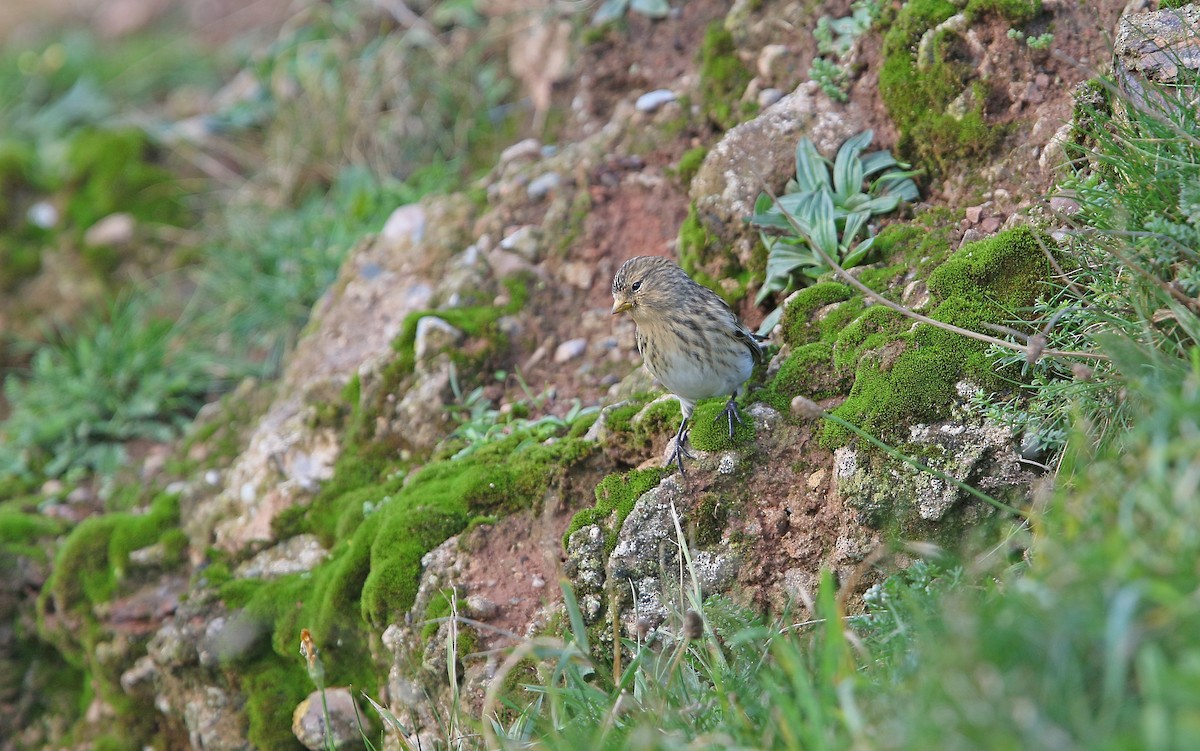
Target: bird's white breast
column 686, row 377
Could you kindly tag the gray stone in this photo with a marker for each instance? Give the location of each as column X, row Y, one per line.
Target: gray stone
column 292, row 556
column 528, row 150
column 652, row 100
column 964, row 447
column 1153, row 49
column 768, row 97
column 343, row 729
column 525, row 241
column 570, row 350
column 645, row 550
column 213, row 721
column 540, row 186
column 114, row 230
column 434, row 335
column 405, row 226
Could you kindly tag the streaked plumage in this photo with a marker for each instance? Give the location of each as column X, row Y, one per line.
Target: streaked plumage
column 688, row 337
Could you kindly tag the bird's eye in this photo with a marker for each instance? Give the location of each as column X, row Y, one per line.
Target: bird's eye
column 636, row 286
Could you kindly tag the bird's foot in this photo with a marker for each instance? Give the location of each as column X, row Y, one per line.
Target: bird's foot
column 730, row 413
column 679, row 452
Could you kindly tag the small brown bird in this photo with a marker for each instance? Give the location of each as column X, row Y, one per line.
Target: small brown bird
column 688, row 337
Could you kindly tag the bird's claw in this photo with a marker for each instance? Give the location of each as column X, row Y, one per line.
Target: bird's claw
column 730, row 413
column 679, row 452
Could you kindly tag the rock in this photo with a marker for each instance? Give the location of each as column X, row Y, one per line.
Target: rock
column 1156, row 48
column 43, row 214
column 915, row 295
column 732, row 174
column 227, row 638
column 481, row 608
column 213, row 720
column 113, row 230
column 579, row 274
column 1054, row 154
column 404, row 227
column 343, row 730
column 528, row 150
column 768, row 97
column 569, row 350
column 1065, row 205
column 965, row 448
column 652, row 100
column 434, row 335
column 525, row 241
column 585, row 568
column 644, row 553
column 540, row 186
column 771, row 58
column 287, row 453
column 293, row 556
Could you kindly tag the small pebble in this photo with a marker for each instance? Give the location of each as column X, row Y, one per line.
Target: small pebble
column 767, row 97
column 540, row 186
column 651, row 101
column 569, row 350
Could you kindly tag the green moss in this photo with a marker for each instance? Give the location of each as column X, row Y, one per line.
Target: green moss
column 114, row 170
column 478, row 321
column 689, row 164
column 114, row 743
column 707, row 522
column 615, row 498
column 1007, row 268
column 619, row 419
column 710, row 428
column 919, row 94
column 798, row 326
column 19, row 526
column 881, row 279
column 808, row 371
column 272, row 690
column 723, row 77
column 877, row 325
column 1013, row 11
column 581, row 207
column 902, row 377
column 439, row 607
column 92, row 561
column 698, row 255
column 19, row 260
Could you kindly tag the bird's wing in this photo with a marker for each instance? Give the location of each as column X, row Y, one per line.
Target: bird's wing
column 751, row 340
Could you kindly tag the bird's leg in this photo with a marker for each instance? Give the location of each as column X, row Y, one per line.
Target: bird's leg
column 730, row 413
column 680, row 452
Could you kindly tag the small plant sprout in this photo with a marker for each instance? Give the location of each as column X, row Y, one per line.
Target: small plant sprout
column 1040, row 42
column 827, row 205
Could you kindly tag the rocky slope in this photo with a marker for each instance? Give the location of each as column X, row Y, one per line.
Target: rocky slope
column 464, row 426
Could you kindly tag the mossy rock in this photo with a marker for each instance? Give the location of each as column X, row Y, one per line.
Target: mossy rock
column 616, row 495
column 710, row 428
column 799, row 328
column 808, row 371
column 939, row 108
column 904, row 375
column 708, row 262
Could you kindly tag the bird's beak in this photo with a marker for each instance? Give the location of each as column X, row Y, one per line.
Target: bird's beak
column 620, row 306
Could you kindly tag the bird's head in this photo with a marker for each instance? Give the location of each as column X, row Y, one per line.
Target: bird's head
column 644, row 285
